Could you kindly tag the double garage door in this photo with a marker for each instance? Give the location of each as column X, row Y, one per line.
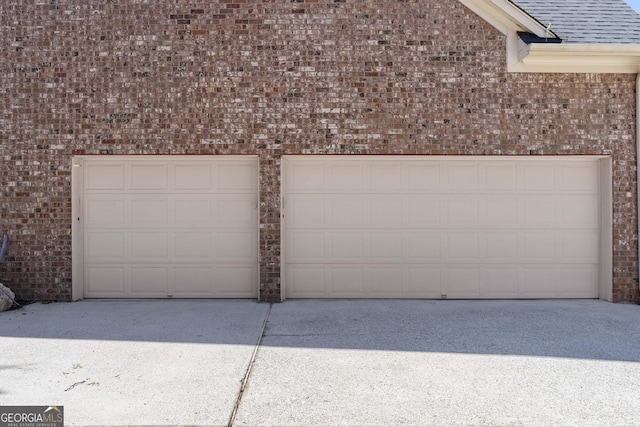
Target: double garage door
column 442, row 227
column 352, row 227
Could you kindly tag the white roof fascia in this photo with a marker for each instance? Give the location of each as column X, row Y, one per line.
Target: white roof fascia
column 575, row 58
column 507, row 17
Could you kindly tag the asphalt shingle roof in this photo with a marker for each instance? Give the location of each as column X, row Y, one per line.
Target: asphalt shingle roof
column 586, row 21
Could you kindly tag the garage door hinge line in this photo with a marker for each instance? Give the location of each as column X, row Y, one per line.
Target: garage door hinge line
column 243, row 385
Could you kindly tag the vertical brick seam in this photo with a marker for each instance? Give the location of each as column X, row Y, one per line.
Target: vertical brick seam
column 272, row 78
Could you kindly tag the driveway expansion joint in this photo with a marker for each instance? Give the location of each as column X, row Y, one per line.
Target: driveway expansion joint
column 245, row 379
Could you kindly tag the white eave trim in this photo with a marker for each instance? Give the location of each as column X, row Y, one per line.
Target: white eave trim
column 507, row 17
column 575, row 58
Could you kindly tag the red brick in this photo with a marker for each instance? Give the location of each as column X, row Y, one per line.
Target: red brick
column 274, row 78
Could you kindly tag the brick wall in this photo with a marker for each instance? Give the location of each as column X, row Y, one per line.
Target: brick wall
column 272, row 78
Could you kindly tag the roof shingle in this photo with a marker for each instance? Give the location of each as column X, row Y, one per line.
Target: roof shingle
column 586, row 21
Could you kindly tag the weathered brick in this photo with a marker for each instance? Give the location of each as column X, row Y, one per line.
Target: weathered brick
column 421, row 77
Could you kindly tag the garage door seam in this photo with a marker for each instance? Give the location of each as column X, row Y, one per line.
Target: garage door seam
column 243, row 384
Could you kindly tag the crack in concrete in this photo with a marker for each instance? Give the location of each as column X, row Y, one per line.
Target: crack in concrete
column 75, row 384
column 243, row 385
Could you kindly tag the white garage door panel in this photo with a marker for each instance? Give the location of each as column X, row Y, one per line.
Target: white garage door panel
column 104, row 211
column 104, row 177
column 149, row 177
column 432, row 227
column 104, row 282
column 148, row 281
column 161, row 227
column 454, row 281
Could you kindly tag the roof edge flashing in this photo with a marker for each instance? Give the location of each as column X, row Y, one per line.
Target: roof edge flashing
column 530, row 38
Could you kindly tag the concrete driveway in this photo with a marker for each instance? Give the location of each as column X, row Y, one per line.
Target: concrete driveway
column 322, row 363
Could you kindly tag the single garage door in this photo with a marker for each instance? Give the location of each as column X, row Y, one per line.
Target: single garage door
column 442, row 227
column 159, row 227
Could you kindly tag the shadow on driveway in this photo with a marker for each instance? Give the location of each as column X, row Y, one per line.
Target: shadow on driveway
column 583, row 329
